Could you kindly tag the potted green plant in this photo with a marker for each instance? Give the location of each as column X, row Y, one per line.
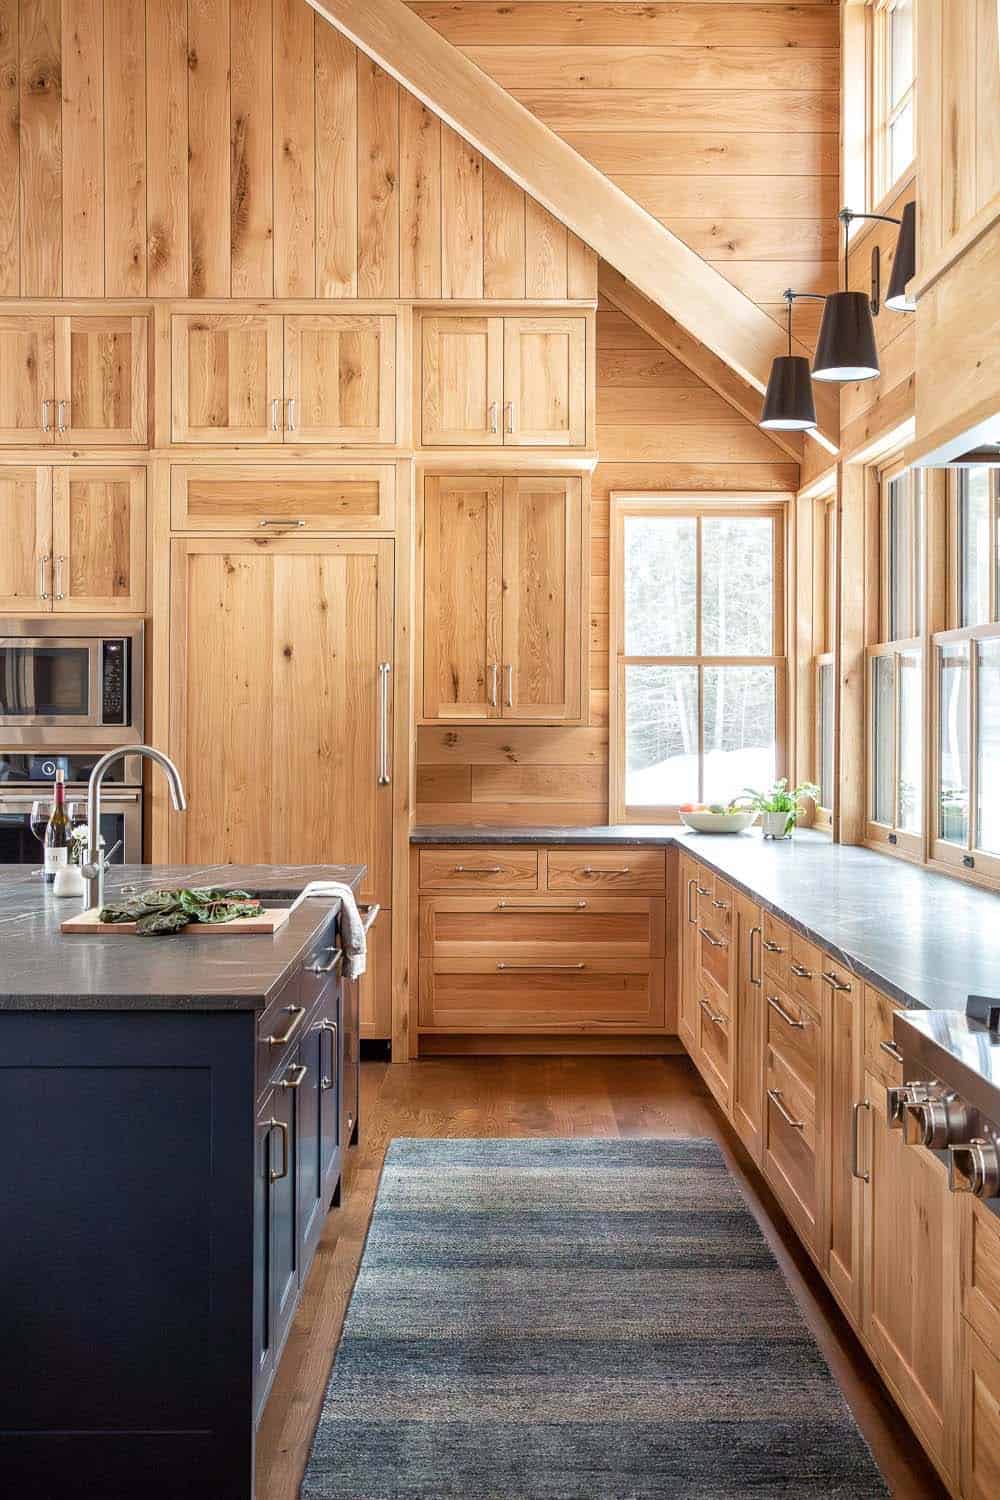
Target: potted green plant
column 779, row 807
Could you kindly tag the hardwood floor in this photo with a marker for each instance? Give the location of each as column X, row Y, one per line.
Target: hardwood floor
column 546, row 1096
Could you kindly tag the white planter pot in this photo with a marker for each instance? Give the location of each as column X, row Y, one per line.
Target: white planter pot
column 777, row 825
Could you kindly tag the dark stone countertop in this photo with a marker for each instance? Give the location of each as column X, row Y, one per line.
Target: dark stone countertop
column 927, row 940
column 42, row 968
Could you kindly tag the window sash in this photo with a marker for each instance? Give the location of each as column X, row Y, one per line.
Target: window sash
column 886, row 112
column 881, row 830
column 968, row 853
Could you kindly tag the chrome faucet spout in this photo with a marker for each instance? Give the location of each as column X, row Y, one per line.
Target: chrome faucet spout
column 96, row 864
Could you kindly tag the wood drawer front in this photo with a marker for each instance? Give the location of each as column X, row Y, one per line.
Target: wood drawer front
column 881, row 1053
column 793, row 1031
column 980, row 1420
column 980, row 1269
column 776, row 949
column 611, row 870
column 478, row 868
column 790, row 1145
column 542, row 927
column 586, row 995
column 713, row 1042
column 805, row 968
column 275, row 499
column 715, row 955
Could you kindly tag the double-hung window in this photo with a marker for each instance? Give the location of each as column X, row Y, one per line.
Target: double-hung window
column 824, row 773
column 698, row 653
column 892, row 93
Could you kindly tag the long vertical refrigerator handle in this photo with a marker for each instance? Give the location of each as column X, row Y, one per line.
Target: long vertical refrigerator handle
column 384, row 773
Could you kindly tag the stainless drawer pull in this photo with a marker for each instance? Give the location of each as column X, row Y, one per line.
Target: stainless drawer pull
column 711, row 938
column 503, row 905
column 46, row 425
column 702, row 891
column 509, row 670
column 591, row 870
column 692, row 885
column 477, row 869
column 58, row 564
column 297, row 1014
column 789, row 1020
column 892, row 1050
column 712, row 1015
column 274, row 413
column 274, row 1124
column 43, row 563
column 775, row 1097
column 720, row 905
column 369, row 915
column 834, row 982
column 326, row 1079
column 279, row 521
column 494, row 684
column 318, row 968
column 384, row 770
column 528, row 967
column 800, row 972
column 772, row 947
column 855, row 1115
column 755, row 979
column 300, row 1070
column 493, row 416
column 60, row 419
column 290, row 414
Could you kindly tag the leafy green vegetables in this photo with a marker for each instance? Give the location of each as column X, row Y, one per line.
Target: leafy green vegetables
column 156, row 913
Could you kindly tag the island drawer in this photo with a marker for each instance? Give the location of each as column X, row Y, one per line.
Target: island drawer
column 519, row 994
column 626, row 870
column 478, row 868
column 542, row 926
column 882, row 1056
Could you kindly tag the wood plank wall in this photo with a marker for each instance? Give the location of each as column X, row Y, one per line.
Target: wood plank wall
column 243, row 148
column 721, row 119
column 658, row 428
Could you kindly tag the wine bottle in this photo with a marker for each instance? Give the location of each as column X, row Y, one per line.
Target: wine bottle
column 57, row 831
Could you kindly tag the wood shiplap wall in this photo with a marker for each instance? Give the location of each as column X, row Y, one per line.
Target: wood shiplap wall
column 243, row 148
column 659, row 428
column 721, row 119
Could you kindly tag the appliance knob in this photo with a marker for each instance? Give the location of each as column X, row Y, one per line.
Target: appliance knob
column 898, row 1099
column 975, row 1168
column 937, row 1122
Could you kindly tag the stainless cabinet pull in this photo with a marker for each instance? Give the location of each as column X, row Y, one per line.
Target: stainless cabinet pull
column 592, row 870
column 772, row 947
column 800, row 972
column 318, row 968
column 384, row 773
column 711, row 938
column 527, row 967
column 509, row 669
column 43, row 563
column 691, row 919
column 712, row 1015
column 369, row 915
column 509, row 414
column 60, row 408
column 503, row 905
column 755, row 979
column 274, row 1124
column 834, row 982
column 702, row 891
column 278, row 521
column 720, row 905
column 892, row 1050
column 493, row 416
column 46, row 425
column 788, row 1019
column 775, row 1097
column 494, row 684
column 297, row 1014
column 58, row 562
column 300, row 1070
column 476, row 869
column 274, row 414
column 326, row 1079
column 290, row 414
column 855, row 1115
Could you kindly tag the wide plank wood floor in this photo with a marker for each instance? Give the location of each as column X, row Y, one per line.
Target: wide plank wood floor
column 546, row 1096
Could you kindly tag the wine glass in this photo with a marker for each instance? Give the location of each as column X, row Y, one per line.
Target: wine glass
column 41, row 812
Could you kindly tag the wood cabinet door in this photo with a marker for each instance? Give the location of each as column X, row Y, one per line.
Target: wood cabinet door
column 27, row 380
column 26, row 532
column 842, row 1046
column 462, row 381
column 748, row 1030
column 226, row 378
column 542, row 599
column 279, row 648
column 980, row 1417
column 99, row 539
column 545, row 382
column 375, row 985
column 101, row 380
column 911, row 1278
column 687, row 1021
column 461, row 598
column 340, row 378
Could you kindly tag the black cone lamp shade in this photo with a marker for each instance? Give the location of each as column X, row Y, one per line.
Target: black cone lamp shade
column 788, row 400
column 846, row 349
column 905, row 263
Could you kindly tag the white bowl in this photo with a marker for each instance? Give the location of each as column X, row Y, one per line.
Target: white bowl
column 709, row 822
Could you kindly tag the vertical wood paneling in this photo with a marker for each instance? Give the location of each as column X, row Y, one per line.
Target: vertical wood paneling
column 167, row 237
column 10, row 152
column 208, row 157
column 41, row 148
column 503, row 234
column 987, row 102
column 124, row 149
column 545, row 245
column 336, row 163
column 83, row 148
column 420, row 184
column 378, row 182
column 461, row 217
column 251, row 174
column 294, row 150
column 581, row 269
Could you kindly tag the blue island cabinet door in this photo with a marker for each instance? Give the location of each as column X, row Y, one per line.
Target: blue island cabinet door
column 283, row 1147
column 263, row 1333
column 311, row 1207
column 329, row 1095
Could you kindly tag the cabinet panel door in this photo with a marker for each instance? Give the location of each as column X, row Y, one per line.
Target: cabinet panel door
column 542, row 607
column 375, row 986
column 748, row 1041
column 26, row 530
column 226, row 378
column 263, row 1332
column 545, row 382
column 687, row 1025
column 99, row 539
column 340, row 378
column 27, row 380
column 283, row 1148
column 980, row 1406
column 843, row 1062
column 462, row 363
column 461, row 601
column 310, row 1206
column 100, row 380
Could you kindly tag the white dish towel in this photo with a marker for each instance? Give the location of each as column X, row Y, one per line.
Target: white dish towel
column 352, row 931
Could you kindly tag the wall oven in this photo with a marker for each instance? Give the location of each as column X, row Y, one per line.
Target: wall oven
column 27, row 779
column 67, row 689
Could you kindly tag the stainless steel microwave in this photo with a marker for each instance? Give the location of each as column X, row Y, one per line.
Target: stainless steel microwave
column 84, row 688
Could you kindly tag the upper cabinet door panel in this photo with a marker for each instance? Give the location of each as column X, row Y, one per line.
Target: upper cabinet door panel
column 26, row 528
column 462, row 363
column 227, row 381
column 100, row 380
column 542, row 620
column 545, row 382
column 462, row 530
column 340, row 378
column 98, row 539
column 27, row 380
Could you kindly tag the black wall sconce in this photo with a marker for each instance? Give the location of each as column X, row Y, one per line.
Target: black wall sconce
column 847, row 349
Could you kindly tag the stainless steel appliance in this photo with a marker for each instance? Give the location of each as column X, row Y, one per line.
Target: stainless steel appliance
column 67, row 682
column 27, row 775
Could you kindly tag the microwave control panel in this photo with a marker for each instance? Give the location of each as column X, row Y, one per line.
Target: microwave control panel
column 114, row 680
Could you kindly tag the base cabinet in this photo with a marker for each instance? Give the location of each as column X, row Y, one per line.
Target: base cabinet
column 747, row 1099
column 980, row 1407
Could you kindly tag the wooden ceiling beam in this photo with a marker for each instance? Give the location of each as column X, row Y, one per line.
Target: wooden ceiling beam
column 642, row 249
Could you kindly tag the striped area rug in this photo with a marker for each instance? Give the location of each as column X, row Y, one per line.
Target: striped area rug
column 576, row 1320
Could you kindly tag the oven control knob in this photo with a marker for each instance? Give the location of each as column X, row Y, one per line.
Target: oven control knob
column 897, row 1100
column 975, row 1168
column 937, row 1121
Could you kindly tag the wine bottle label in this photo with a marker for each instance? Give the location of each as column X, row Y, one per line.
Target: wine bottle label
column 55, row 859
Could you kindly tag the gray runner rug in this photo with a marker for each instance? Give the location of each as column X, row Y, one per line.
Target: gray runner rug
column 576, row 1320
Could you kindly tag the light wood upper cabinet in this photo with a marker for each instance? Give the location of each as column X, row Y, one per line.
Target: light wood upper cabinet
column 25, row 538
column 278, row 497
column 27, row 380
column 101, row 375
column 502, row 599
column 226, row 377
column 517, row 382
column 98, row 540
column 340, row 378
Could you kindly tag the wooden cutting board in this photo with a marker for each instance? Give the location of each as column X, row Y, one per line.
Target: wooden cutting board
column 270, row 919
